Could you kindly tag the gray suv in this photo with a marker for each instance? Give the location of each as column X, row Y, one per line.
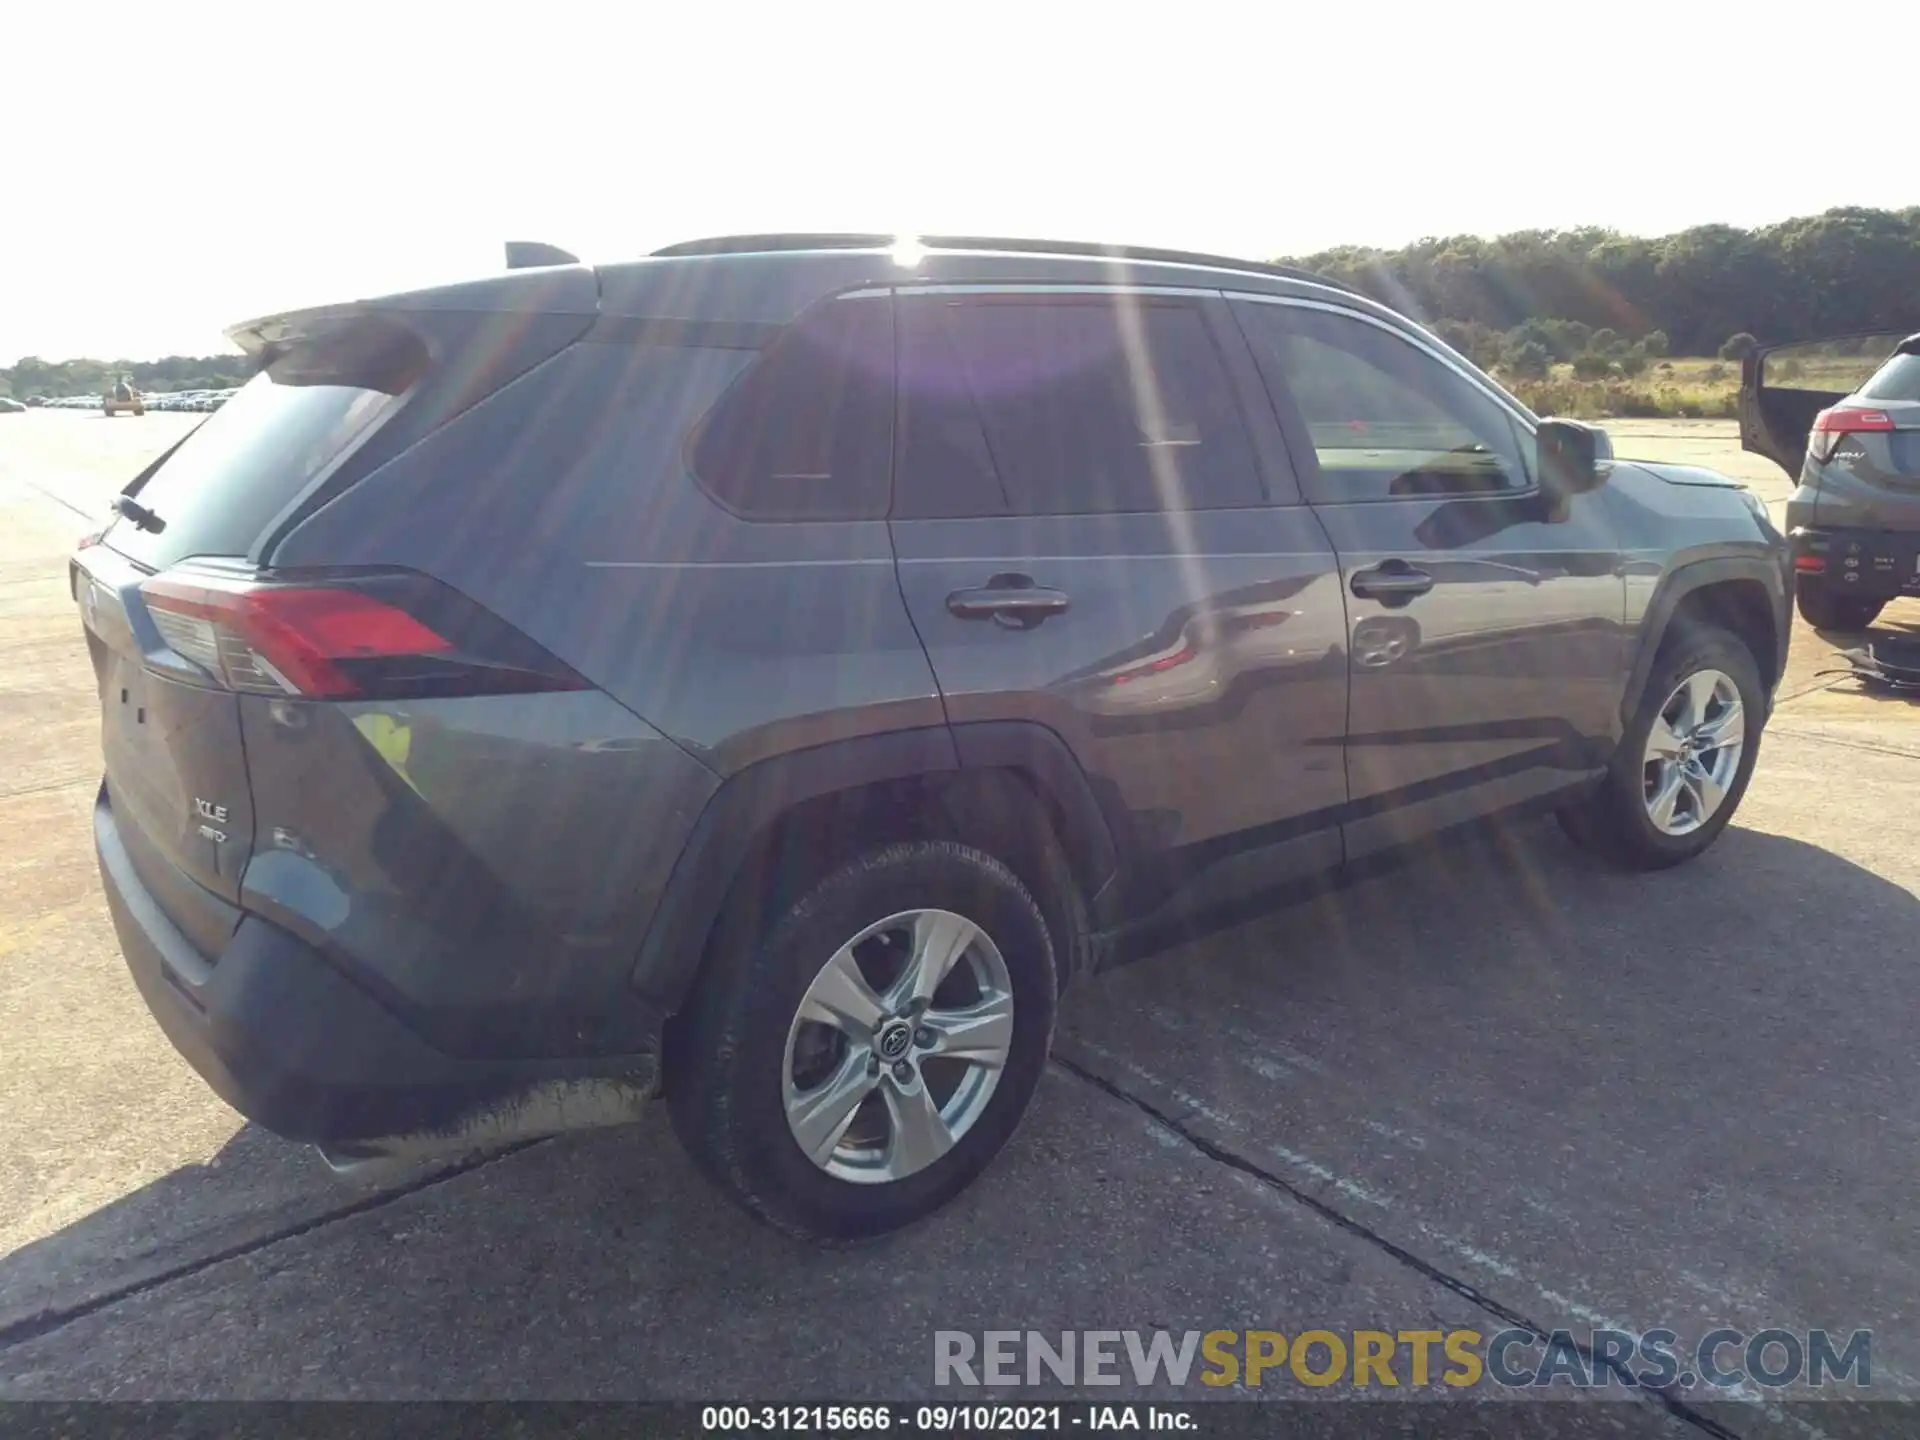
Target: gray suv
column 1842, row 417
column 769, row 671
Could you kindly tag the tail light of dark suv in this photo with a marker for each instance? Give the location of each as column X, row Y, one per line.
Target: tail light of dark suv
column 1832, row 425
column 343, row 636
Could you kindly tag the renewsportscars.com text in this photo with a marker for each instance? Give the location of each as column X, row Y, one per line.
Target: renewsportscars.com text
column 1512, row 1358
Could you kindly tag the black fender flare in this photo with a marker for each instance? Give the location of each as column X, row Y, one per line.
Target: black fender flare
column 754, row 798
column 1687, row 578
column 1086, row 826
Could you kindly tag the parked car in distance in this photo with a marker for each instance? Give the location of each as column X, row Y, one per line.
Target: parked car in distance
column 10, row 406
column 1842, row 417
column 884, row 638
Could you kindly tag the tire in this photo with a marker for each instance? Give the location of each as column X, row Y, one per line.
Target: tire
column 1617, row 821
column 1824, row 610
column 736, row 1056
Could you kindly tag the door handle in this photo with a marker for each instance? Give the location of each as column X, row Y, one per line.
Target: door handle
column 1391, row 582
column 1012, row 600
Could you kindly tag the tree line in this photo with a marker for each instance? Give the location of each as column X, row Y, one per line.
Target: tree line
column 1606, row 302
column 1698, row 290
column 34, row 376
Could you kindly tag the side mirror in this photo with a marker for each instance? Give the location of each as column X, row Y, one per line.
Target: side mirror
column 1574, row 456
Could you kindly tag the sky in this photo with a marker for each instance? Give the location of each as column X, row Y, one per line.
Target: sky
column 173, row 169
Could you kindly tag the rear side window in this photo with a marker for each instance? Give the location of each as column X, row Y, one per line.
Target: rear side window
column 218, row 493
column 1065, row 405
column 807, row 432
column 1897, row 380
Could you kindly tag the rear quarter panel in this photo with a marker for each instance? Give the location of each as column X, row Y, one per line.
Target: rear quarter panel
column 485, row 866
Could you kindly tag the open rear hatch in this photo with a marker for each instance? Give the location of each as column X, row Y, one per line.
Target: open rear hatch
column 1786, row 389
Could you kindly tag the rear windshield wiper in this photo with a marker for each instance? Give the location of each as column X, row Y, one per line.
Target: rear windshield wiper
column 139, row 515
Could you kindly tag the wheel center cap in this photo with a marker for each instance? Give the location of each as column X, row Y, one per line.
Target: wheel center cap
column 894, row 1038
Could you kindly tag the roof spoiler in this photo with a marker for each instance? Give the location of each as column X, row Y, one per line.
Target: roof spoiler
column 531, row 254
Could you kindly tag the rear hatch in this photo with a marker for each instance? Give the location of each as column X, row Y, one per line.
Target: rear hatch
column 1874, row 435
column 170, row 729
column 182, row 610
column 1786, row 389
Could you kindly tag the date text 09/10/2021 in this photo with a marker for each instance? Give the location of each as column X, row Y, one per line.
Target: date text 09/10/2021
column 943, row 1419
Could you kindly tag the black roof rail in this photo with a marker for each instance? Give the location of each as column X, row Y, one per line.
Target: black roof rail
column 530, row 254
column 765, row 244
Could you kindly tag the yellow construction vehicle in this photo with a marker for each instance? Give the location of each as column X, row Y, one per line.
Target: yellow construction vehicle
column 123, row 398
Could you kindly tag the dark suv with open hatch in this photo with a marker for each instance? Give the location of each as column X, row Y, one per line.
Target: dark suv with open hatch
column 1842, row 417
column 770, row 670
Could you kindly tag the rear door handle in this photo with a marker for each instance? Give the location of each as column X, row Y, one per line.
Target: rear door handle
column 1011, row 599
column 1390, row 581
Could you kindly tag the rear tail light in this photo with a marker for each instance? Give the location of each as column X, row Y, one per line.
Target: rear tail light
column 1840, row 420
column 380, row 635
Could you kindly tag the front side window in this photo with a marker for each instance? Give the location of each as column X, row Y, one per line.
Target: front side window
column 1385, row 418
column 1065, row 405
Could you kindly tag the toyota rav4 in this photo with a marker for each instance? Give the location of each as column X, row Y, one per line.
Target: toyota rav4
column 768, row 671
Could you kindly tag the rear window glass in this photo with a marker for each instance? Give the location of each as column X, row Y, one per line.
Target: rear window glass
column 1898, row 379
column 218, row 493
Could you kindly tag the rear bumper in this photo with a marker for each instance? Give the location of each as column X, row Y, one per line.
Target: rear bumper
column 293, row 1045
column 1872, row 564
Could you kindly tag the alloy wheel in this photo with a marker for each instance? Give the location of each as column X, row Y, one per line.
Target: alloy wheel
column 897, row 1046
column 1693, row 752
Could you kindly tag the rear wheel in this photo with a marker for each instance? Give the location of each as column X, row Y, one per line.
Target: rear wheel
column 1824, row 610
column 857, row 1064
column 1683, row 764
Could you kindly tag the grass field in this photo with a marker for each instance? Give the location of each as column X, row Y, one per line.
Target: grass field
column 1683, row 388
column 1687, row 387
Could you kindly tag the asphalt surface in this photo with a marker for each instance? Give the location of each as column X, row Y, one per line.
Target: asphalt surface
column 1495, row 1086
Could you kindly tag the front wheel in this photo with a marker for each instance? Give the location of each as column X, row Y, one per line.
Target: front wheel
column 1824, row 610
column 1684, row 763
column 859, row 1063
